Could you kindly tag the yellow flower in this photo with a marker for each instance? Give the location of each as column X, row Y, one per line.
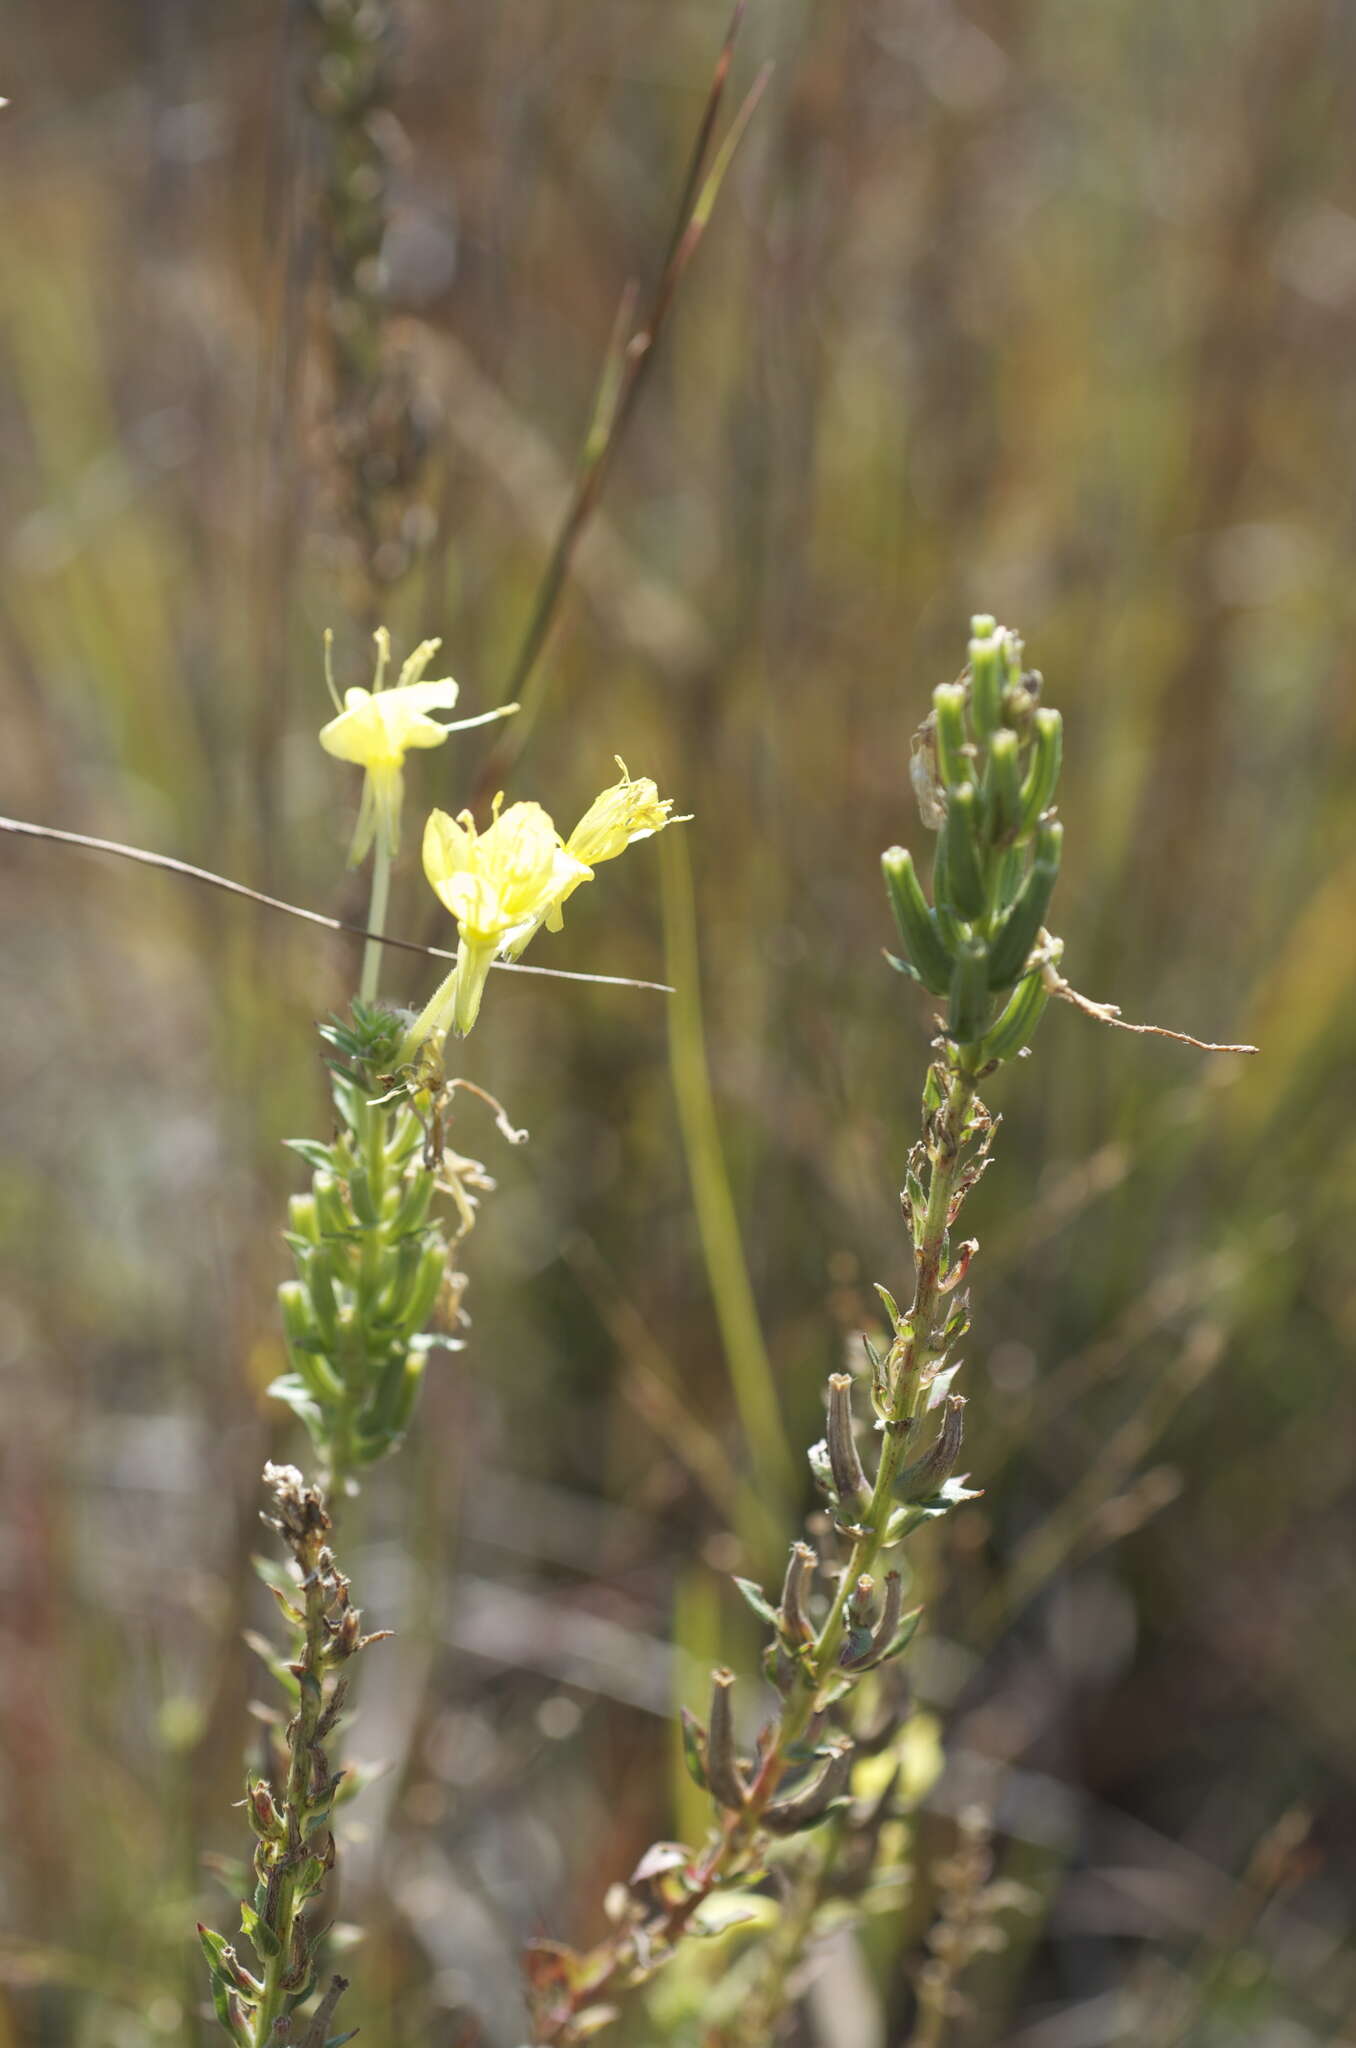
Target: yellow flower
column 499, row 885
column 376, row 729
column 630, row 809
column 504, row 884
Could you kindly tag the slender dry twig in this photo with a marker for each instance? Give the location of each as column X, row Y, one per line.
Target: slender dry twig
column 26, row 829
column 624, row 368
column 1109, row 1013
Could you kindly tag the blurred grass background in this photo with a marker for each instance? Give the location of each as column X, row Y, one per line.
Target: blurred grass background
column 1037, row 308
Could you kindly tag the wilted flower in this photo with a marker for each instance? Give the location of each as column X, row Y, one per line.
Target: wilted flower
column 376, row 729
column 630, row 809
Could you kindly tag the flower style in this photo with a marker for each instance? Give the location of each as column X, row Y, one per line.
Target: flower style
column 376, row 729
column 504, row 884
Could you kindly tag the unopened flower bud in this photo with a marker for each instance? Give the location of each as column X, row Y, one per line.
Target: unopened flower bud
column 948, row 704
column 849, row 1478
column 970, row 1003
column 917, row 927
column 961, row 840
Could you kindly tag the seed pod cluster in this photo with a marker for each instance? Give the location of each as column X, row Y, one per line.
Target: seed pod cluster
column 994, row 754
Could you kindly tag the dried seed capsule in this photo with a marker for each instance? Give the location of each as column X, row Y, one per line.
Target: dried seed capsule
column 801, row 1809
column 694, row 1749
column 1043, row 773
column 800, row 1573
column 948, row 701
column 722, row 1765
column 961, row 838
column 970, row 1001
column 849, row 1478
column 917, row 926
column 887, row 1624
column 921, row 1480
column 1016, row 1025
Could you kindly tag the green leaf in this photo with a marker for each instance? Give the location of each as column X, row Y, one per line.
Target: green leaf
column 722, row 1911
column 694, row 1748
column 312, row 1152
column 758, row 1601
column 904, row 1635
column 223, row 2012
column 266, row 1943
column 214, row 1946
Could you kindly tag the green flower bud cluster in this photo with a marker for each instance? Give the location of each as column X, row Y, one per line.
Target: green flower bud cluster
column 370, row 1261
column 986, row 767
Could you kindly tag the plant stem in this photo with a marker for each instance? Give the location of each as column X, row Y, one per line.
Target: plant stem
column 944, row 1134
column 302, row 1743
column 376, row 920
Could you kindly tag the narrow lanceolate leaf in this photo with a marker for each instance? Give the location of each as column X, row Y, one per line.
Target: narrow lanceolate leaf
column 266, row 1943
column 758, row 1601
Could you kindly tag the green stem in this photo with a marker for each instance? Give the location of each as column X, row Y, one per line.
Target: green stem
column 376, row 919
column 924, row 1324
column 280, row 1913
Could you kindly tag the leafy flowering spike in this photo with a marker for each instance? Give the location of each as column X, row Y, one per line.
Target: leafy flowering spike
column 997, row 751
column 375, row 730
